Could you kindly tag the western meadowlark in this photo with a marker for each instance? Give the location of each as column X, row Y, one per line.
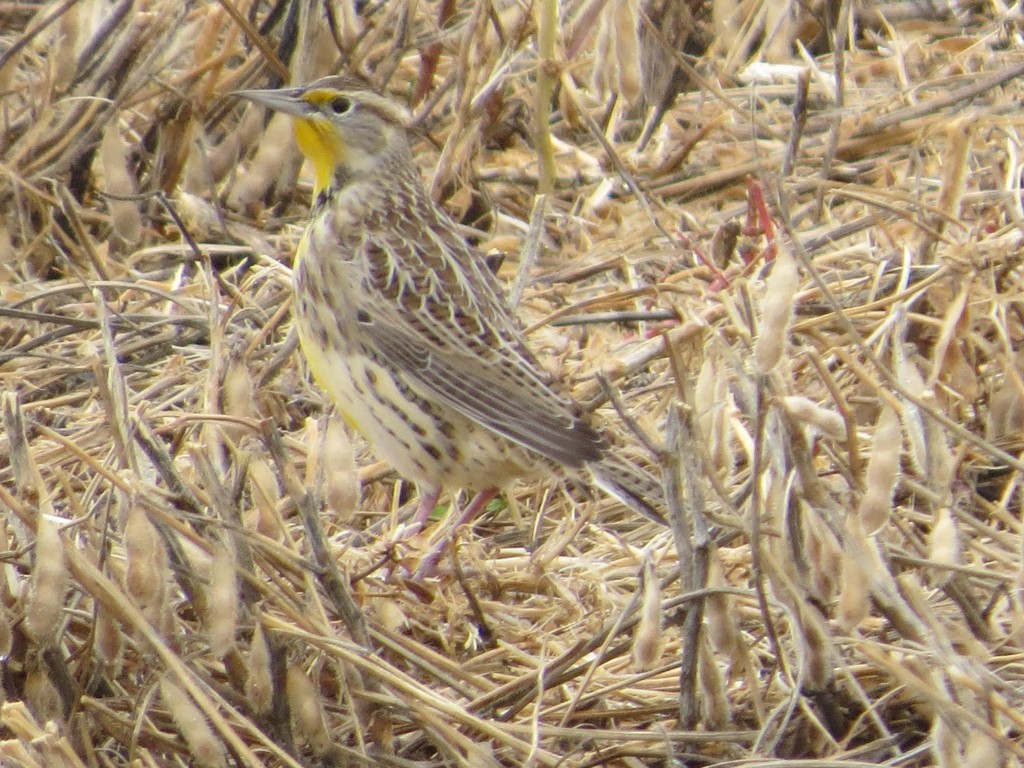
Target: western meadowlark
column 405, row 327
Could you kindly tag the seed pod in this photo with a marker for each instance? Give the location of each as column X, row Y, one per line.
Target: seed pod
column 714, row 699
column 854, row 603
column 723, row 630
column 199, row 215
column 941, row 461
column 913, row 420
column 944, row 544
column 41, row 694
column 307, row 711
column 712, row 403
column 982, row 751
column 915, row 596
column 825, row 420
column 1006, row 404
column 204, row 42
column 824, row 558
column 124, row 214
column 390, row 615
column 145, row 578
column 259, row 685
column 945, row 745
column 780, row 291
column 6, row 639
column 723, row 244
column 265, row 494
column 647, row 639
column 223, row 158
column 27, row 479
column 604, row 72
column 817, row 670
column 176, row 129
column 222, row 602
column 203, row 743
column 238, row 396
column 108, row 640
column 341, row 475
column 66, row 48
column 882, row 472
column 49, row 582
column 313, row 448
column 273, row 164
column 706, row 393
column 955, row 167
column 626, row 21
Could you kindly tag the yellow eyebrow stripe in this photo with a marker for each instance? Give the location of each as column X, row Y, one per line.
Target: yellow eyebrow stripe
column 319, row 96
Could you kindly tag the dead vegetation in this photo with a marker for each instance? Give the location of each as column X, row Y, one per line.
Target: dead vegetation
column 802, row 284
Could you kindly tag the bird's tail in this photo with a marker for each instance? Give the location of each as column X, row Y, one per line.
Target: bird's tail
column 631, row 484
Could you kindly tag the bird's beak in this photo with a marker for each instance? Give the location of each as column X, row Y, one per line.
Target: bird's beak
column 286, row 100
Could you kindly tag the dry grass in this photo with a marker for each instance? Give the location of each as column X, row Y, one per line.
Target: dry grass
column 839, row 433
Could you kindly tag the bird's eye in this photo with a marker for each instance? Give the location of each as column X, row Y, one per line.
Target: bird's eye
column 340, row 105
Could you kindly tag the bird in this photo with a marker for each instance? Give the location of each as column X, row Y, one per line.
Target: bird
column 407, row 330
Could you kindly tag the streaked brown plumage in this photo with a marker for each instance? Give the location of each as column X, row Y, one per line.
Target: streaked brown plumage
column 402, row 322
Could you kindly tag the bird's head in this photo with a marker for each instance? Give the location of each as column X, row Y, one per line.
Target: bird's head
column 341, row 126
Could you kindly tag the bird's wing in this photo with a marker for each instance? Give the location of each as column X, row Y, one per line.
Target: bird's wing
column 490, row 395
column 454, row 338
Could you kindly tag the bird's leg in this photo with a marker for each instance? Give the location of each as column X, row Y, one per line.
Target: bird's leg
column 424, row 506
column 472, row 511
column 428, row 500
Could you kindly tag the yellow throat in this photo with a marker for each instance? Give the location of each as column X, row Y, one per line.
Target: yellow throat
column 323, row 147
